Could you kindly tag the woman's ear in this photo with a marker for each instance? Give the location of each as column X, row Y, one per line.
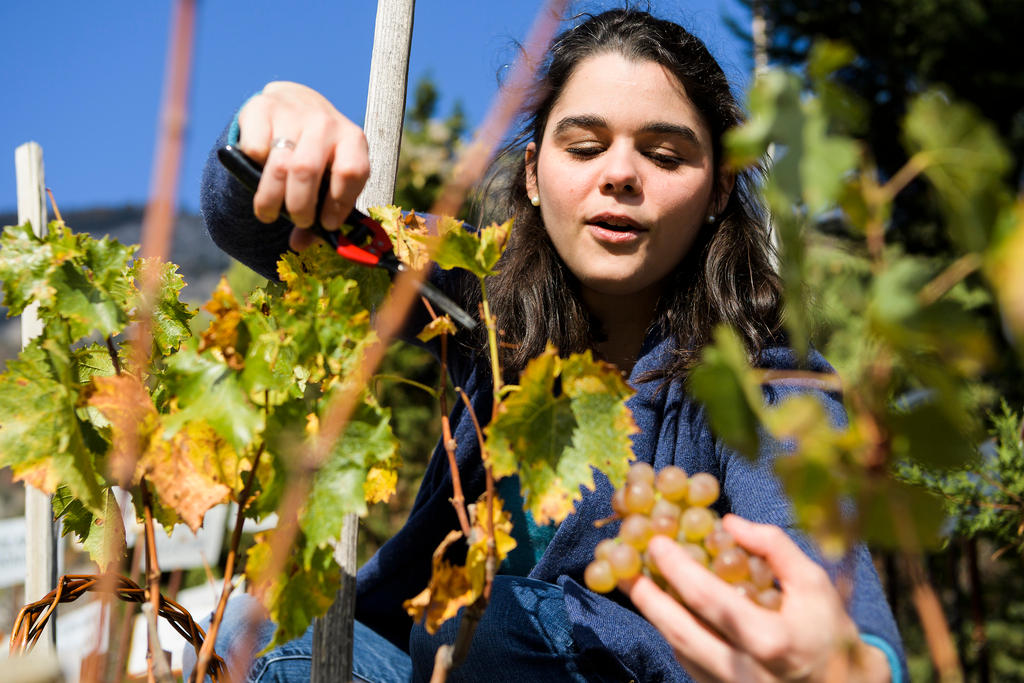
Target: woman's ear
column 723, row 190
column 530, row 157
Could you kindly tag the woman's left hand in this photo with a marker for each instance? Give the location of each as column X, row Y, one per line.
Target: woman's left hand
column 719, row 634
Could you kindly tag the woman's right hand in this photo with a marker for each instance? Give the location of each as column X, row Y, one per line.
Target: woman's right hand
column 311, row 136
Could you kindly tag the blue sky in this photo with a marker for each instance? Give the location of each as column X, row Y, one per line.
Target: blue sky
column 85, row 79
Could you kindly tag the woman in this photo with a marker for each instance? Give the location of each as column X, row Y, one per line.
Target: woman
column 632, row 239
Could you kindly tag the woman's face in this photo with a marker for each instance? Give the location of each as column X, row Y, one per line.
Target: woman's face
column 624, row 174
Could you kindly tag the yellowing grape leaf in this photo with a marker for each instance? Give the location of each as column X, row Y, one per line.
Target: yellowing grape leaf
column 318, row 265
column 222, row 332
column 187, row 471
column 598, row 395
column 1005, row 271
column 126, row 405
column 476, row 252
column 553, row 439
column 183, row 471
column 449, row 590
column 406, row 233
column 324, row 319
column 452, row 587
column 380, row 484
column 207, row 390
column 825, row 468
column 476, row 556
column 437, row 327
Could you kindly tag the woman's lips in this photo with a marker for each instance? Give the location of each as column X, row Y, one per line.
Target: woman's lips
column 614, row 229
column 620, row 236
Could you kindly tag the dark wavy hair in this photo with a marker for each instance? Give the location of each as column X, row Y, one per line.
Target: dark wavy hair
column 727, row 275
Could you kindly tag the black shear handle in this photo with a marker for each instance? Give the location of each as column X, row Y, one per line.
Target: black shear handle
column 365, row 242
column 248, row 172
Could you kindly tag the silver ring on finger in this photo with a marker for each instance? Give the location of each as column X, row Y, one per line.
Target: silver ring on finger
column 282, row 143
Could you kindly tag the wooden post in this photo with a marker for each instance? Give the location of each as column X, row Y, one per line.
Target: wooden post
column 41, row 537
column 385, row 111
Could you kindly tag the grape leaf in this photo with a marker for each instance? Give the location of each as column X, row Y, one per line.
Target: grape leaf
column 81, row 279
column 893, row 513
column 222, row 332
column 320, row 264
column 323, row 320
column 91, row 286
column 208, row 390
column 91, row 361
column 449, row 590
column 338, row 487
column 452, row 587
column 598, row 395
column 40, row 433
column 186, row 471
column 552, row 440
column 103, row 537
column 476, row 555
column 406, row 233
column 380, row 484
column 170, row 316
column 126, row 405
column 476, row 252
column 299, row 594
column 965, row 162
column 924, row 433
column 436, row 327
column 729, row 391
column 1002, row 266
column 824, row 469
column 189, row 472
column 26, row 264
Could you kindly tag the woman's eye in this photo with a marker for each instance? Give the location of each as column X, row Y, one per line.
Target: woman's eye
column 665, row 159
column 583, row 152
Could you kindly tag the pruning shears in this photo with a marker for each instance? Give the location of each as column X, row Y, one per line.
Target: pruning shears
column 364, row 241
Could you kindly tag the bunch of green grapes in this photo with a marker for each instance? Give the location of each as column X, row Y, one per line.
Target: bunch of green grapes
column 675, row 505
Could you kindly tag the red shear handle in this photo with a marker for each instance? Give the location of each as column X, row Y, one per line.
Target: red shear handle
column 369, row 254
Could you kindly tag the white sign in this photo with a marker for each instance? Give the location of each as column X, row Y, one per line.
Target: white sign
column 12, row 552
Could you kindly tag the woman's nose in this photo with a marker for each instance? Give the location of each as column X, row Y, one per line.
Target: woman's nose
column 620, row 173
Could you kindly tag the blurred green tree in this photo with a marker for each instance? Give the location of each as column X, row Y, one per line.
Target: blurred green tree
column 903, row 48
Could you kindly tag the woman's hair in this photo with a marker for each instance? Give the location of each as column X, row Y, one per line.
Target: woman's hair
column 727, row 275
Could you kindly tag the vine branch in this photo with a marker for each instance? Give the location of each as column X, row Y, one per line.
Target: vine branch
column 158, row 666
column 206, row 653
column 458, row 497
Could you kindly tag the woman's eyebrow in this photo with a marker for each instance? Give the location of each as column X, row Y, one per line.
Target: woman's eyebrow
column 591, row 122
column 666, row 128
column 588, row 121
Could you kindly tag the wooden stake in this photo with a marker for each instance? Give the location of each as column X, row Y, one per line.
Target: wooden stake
column 41, row 537
column 385, row 112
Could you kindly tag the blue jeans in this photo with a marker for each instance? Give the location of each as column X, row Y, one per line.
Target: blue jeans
column 524, row 635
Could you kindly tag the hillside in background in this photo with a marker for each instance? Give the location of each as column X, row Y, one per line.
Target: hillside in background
column 200, row 261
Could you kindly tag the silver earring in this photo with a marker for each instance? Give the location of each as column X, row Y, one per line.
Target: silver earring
column 710, row 219
column 535, row 200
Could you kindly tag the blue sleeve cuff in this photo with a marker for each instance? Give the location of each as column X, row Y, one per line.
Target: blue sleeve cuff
column 890, row 654
column 234, row 132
